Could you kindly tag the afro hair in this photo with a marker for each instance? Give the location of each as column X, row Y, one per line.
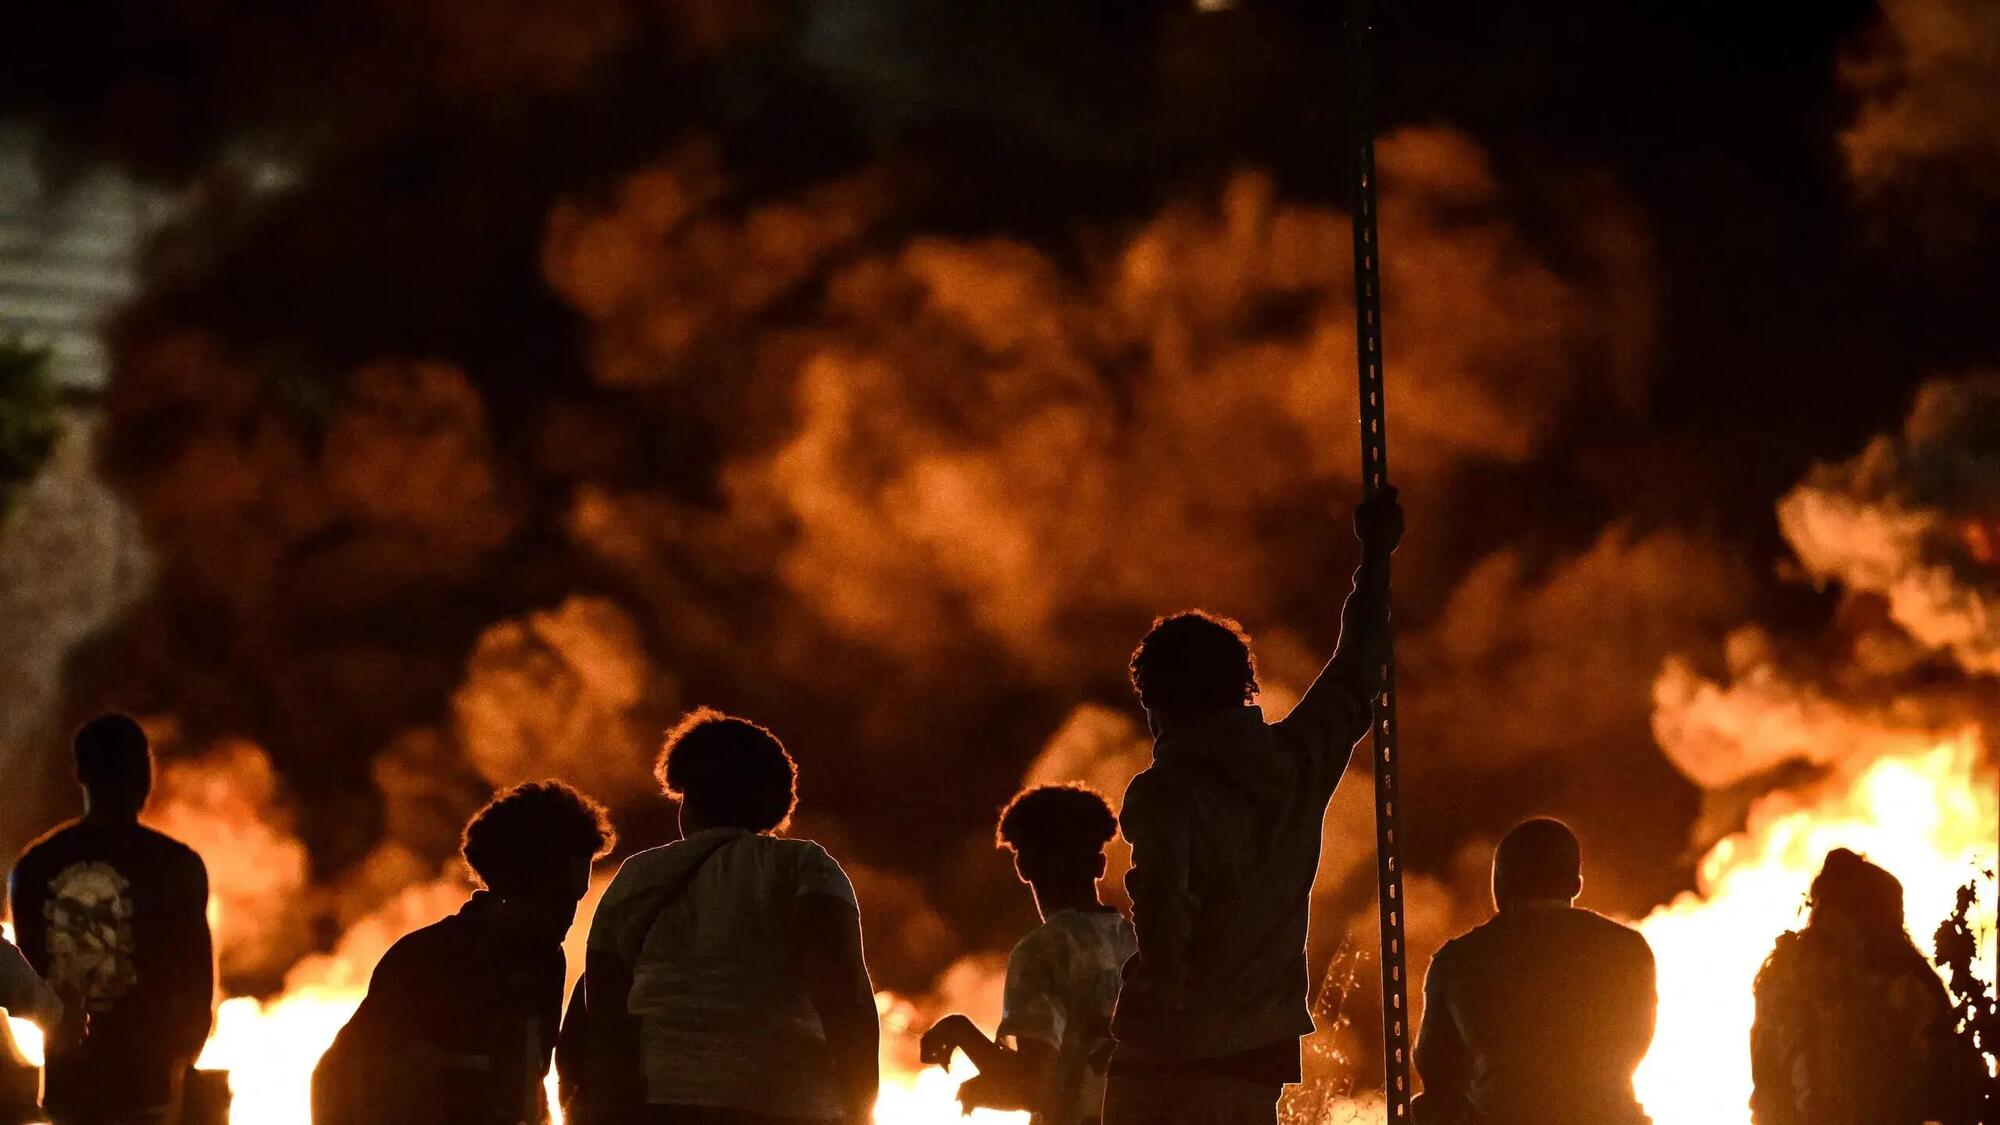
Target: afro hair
column 1056, row 822
column 523, row 828
column 732, row 771
column 1194, row 661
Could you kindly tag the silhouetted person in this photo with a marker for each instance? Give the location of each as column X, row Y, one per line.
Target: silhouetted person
column 1225, row 832
column 724, row 982
column 1062, row 978
column 1853, row 1025
column 461, row 1016
column 1541, row 1014
column 114, row 916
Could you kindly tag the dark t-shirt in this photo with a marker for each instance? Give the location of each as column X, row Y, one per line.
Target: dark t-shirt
column 116, row 915
column 457, row 1029
column 1539, row 1016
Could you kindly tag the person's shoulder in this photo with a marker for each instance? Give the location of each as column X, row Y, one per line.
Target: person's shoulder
column 640, row 863
column 55, row 839
column 815, row 867
column 1048, row 939
column 1613, row 934
column 1156, row 785
column 423, row 944
column 170, row 849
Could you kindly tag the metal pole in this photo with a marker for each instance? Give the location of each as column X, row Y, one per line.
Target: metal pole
column 1374, row 478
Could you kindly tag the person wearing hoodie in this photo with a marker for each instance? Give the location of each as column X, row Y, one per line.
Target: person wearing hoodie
column 1225, row 833
column 724, row 982
column 459, row 1020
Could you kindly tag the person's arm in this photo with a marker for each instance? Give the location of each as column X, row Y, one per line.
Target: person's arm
column 361, row 1073
column 23, row 992
column 836, row 978
column 189, row 952
column 1639, row 1011
column 26, row 894
column 1443, row 1061
column 1337, row 708
column 1158, row 822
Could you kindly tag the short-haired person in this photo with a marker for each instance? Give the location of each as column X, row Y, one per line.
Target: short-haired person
column 1062, row 978
column 724, row 983
column 1225, row 831
column 1540, row 1015
column 461, row 1016
column 115, row 917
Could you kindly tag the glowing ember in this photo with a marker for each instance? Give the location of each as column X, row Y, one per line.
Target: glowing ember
column 1928, row 818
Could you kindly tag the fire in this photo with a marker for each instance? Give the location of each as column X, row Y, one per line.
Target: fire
column 1929, row 818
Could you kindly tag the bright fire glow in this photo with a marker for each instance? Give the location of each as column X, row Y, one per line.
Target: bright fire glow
column 270, row 1050
column 1930, row 819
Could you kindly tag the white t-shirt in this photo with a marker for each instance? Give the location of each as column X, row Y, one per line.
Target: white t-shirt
column 717, row 979
column 1062, row 982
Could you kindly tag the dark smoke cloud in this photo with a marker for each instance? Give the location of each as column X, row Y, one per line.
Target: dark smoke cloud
column 1923, row 149
column 509, row 377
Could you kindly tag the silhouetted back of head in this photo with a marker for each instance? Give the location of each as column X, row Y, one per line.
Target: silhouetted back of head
column 1194, row 661
column 1537, row 859
column 1057, row 831
column 114, row 764
column 1864, row 896
column 531, row 833
column 728, row 772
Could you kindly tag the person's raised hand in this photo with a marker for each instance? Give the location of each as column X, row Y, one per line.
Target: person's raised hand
column 1378, row 523
column 938, row 1044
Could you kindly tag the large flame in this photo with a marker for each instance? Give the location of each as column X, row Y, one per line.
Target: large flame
column 1928, row 818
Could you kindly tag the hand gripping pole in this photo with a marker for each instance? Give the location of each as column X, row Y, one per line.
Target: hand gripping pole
column 1375, row 477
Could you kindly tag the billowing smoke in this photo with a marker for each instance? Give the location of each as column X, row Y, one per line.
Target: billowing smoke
column 508, row 379
column 1924, row 145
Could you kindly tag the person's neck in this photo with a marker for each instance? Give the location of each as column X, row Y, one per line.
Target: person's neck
column 1537, row 902
column 112, row 817
column 1052, row 899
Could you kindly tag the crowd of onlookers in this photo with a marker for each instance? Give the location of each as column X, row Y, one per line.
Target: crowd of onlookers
column 725, row 984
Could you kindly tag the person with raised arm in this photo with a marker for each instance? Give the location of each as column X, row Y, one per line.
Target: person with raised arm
column 1225, row 830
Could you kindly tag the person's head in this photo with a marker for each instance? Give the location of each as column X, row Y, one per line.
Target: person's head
column 532, row 847
column 1192, row 662
column 727, row 773
column 1537, row 859
column 1057, row 834
column 1852, row 893
column 114, row 764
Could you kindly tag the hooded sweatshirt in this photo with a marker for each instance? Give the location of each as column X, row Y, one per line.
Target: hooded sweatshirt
column 1225, row 833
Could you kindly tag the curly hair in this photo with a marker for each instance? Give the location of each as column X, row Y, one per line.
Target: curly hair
column 521, row 829
column 1056, row 822
column 732, row 771
column 1194, row 661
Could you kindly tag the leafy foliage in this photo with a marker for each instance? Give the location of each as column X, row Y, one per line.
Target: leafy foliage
column 29, row 426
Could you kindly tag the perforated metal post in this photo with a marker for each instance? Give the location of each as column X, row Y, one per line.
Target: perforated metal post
column 1374, row 478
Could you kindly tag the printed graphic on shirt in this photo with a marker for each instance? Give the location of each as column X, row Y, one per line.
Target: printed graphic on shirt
column 89, row 915
column 1062, row 981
